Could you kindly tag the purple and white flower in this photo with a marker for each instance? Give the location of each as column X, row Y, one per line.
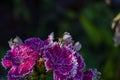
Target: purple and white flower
column 21, row 60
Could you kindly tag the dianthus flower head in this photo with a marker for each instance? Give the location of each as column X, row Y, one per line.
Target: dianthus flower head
column 63, row 58
column 20, row 59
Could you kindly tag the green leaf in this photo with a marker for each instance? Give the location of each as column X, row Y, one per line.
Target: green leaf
column 90, row 29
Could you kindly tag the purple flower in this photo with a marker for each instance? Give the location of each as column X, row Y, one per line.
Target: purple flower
column 21, row 60
column 61, row 60
column 22, row 56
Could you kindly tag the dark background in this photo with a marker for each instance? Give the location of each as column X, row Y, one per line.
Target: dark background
column 88, row 21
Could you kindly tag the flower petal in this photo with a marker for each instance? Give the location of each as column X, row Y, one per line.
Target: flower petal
column 12, row 74
column 6, row 63
column 26, row 67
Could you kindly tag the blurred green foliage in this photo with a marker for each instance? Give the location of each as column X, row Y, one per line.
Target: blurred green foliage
column 89, row 23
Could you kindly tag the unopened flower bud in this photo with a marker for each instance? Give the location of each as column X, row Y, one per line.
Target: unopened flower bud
column 77, row 46
column 67, row 37
column 15, row 42
column 51, row 37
